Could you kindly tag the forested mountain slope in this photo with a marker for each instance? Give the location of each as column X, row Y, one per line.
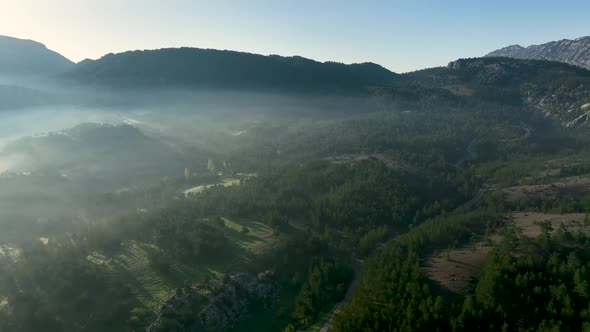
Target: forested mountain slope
column 215, row 69
column 559, row 91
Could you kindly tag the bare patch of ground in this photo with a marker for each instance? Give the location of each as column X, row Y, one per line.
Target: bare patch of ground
column 571, row 186
column 456, row 270
column 529, row 222
column 553, row 170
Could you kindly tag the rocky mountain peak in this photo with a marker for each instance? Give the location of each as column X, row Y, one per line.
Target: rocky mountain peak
column 575, row 52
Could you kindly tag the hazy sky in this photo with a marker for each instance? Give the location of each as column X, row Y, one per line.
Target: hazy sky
column 400, row 35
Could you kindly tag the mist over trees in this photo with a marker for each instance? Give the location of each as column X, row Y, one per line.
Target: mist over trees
column 166, row 189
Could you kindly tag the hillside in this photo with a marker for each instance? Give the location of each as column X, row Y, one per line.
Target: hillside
column 29, row 58
column 215, row 69
column 559, row 91
column 575, row 52
column 101, row 155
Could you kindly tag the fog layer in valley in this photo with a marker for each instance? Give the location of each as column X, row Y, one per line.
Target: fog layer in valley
column 58, row 160
column 186, row 189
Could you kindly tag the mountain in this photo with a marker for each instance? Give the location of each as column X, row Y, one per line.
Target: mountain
column 215, row 69
column 575, row 52
column 559, row 91
column 30, row 58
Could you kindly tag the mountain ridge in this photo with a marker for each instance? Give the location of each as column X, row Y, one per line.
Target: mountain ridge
column 209, row 68
column 559, row 91
column 572, row 51
column 30, row 58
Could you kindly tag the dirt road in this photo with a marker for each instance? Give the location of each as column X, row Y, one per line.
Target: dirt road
column 353, row 285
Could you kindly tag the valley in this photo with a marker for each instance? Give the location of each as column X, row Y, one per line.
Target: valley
column 192, row 189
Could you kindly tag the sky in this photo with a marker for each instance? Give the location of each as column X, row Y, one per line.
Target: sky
column 399, row 35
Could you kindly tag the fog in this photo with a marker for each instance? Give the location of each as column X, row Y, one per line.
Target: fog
column 60, row 160
column 31, row 121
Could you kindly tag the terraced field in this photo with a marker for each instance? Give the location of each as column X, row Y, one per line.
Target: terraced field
column 152, row 287
column 148, row 286
column 254, row 237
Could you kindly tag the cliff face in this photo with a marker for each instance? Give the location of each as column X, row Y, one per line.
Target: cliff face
column 575, row 52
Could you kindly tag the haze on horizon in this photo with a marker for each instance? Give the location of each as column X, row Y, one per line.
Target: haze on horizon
column 400, row 35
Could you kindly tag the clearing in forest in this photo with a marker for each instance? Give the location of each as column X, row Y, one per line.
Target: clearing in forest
column 567, row 187
column 529, row 222
column 456, row 270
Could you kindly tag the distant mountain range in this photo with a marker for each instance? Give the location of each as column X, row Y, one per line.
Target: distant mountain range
column 575, row 52
column 215, row 69
column 557, row 90
column 30, row 58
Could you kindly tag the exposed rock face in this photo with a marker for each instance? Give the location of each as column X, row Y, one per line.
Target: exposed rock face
column 215, row 306
column 560, row 92
column 564, row 104
column 575, row 52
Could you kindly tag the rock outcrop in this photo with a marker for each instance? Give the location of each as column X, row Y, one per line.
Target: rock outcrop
column 216, row 305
